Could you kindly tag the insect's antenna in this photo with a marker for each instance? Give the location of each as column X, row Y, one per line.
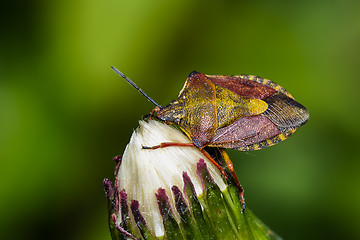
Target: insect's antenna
column 134, row 85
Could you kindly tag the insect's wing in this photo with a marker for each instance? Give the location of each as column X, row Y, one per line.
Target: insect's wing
column 198, row 97
column 285, row 112
column 246, row 131
column 282, row 117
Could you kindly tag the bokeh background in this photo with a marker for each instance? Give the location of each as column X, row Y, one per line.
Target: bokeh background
column 64, row 113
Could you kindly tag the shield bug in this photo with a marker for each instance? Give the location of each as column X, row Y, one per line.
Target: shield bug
column 242, row 112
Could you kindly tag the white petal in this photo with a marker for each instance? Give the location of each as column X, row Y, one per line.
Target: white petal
column 143, row 172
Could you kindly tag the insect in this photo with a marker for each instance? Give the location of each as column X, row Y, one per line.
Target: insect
column 242, row 112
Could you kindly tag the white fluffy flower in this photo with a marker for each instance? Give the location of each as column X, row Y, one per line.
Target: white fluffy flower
column 143, row 171
column 175, row 192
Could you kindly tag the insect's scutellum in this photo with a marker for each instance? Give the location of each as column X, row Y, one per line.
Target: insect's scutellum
column 136, row 87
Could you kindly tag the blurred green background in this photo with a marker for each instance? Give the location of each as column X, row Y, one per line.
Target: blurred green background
column 64, row 113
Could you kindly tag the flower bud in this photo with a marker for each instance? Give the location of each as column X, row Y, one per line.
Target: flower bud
column 174, row 192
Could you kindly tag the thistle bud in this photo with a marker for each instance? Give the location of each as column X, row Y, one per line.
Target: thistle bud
column 175, row 193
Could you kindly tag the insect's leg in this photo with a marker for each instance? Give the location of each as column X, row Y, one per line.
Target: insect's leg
column 155, row 110
column 230, row 166
column 151, row 115
column 169, row 144
column 220, row 168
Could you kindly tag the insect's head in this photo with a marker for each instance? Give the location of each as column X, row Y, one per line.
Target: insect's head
column 173, row 112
